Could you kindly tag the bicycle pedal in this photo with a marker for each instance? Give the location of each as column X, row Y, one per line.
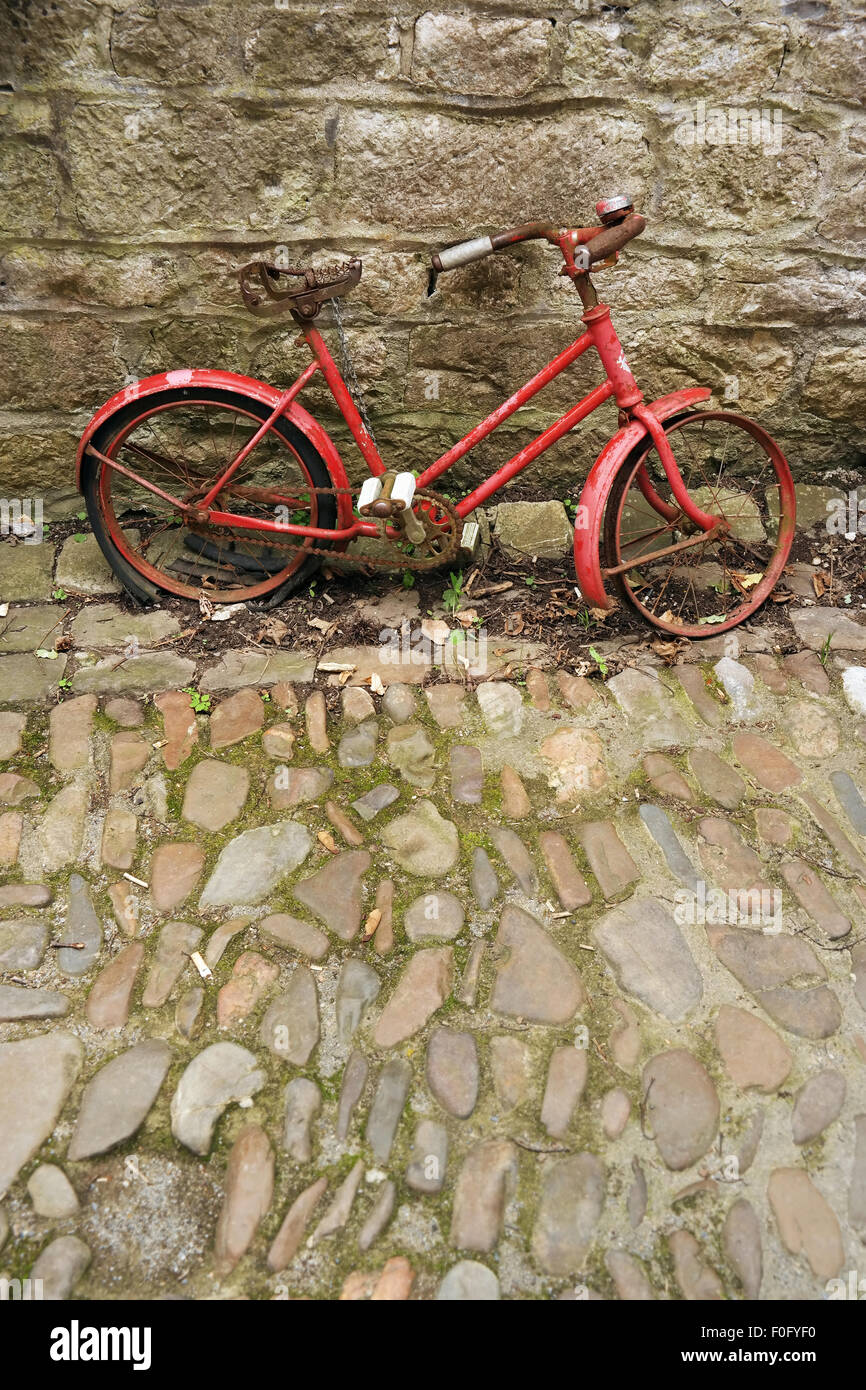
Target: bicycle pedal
column 403, row 489
column 371, row 490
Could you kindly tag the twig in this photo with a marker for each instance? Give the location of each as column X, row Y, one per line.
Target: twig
column 540, row 1148
column 643, row 1106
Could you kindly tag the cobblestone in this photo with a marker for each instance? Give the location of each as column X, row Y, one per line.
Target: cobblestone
column 449, row 993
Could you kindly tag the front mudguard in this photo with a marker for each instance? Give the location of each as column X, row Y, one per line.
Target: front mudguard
column 259, row 391
column 593, row 498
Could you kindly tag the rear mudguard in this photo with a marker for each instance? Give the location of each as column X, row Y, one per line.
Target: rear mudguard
column 590, row 511
column 259, row 391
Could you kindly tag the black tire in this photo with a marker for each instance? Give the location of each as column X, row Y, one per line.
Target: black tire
column 139, row 586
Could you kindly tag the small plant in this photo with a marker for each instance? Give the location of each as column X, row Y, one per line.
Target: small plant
column 570, row 508
column 599, row 661
column 266, row 696
column 408, row 579
column 199, row 702
column 81, row 516
column 825, row 649
column 64, row 683
column 59, row 594
column 79, row 537
column 715, row 688
column 452, row 596
column 530, row 580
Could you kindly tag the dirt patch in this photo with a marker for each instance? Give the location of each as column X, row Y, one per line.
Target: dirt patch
column 149, row 1222
column 535, row 602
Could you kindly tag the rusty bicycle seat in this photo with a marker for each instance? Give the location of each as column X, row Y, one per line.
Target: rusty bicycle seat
column 263, row 295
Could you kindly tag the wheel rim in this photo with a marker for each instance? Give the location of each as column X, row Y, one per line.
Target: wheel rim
column 734, row 470
column 183, row 447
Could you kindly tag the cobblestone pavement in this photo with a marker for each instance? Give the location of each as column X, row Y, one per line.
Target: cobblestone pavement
column 539, row 987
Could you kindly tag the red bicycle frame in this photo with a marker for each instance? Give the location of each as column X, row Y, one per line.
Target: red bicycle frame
column 642, row 424
column 619, row 383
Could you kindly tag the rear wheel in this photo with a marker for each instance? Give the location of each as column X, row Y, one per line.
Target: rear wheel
column 677, row 577
column 181, row 441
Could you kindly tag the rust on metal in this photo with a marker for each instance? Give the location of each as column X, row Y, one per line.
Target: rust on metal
column 262, row 295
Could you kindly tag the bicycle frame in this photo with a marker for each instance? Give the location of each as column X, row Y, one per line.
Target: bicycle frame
column 641, row 424
column 619, row 383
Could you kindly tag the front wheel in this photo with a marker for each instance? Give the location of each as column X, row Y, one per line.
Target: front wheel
column 685, row 581
column 176, row 444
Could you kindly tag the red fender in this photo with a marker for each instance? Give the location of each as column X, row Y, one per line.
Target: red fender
column 243, row 385
column 590, row 512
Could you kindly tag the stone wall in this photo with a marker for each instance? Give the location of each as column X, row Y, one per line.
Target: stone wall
column 147, row 149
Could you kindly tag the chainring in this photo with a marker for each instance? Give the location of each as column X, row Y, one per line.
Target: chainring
column 440, row 519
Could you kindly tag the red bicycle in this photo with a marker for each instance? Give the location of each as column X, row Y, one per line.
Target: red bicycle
column 207, row 482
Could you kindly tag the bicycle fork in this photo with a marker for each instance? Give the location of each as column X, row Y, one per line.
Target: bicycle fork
column 629, row 398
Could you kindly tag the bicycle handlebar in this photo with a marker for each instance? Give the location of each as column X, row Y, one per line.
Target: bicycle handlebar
column 599, row 242
column 613, row 239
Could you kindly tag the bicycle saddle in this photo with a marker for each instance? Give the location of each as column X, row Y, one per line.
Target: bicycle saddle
column 262, row 295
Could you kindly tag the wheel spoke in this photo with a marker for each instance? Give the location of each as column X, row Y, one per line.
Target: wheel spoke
column 180, row 448
column 703, row 581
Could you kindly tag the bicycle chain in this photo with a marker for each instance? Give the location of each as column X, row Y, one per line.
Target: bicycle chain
column 394, row 561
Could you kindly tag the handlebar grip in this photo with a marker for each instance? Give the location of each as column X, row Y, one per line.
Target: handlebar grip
column 613, row 239
column 463, row 253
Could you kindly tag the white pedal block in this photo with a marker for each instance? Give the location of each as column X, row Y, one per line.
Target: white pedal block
column 404, row 489
column 470, row 538
column 371, row 489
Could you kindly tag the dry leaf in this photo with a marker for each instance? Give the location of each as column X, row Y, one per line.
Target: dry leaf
column 668, row 651
column 371, row 924
column 514, row 624
column 436, row 631
column 325, row 838
column 205, row 607
column 272, row 630
column 376, row 684
column 744, row 582
column 322, row 625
